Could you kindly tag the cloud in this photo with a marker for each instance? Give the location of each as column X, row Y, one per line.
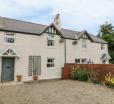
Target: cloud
column 75, row 14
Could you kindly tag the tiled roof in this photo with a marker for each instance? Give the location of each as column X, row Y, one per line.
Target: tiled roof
column 33, row 28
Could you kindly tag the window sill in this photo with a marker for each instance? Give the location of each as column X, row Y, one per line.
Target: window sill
column 84, row 49
column 51, row 47
column 50, row 67
column 9, row 43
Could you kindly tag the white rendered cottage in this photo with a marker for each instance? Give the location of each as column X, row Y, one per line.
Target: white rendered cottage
column 29, row 48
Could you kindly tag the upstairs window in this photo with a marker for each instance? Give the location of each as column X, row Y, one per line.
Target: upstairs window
column 84, row 43
column 84, row 36
column 9, row 38
column 50, row 40
column 50, row 43
column 50, row 62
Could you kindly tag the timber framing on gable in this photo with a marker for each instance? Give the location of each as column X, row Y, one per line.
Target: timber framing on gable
column 85, row 35
column 51, row 29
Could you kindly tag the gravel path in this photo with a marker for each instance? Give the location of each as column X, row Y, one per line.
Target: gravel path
column 56, row 92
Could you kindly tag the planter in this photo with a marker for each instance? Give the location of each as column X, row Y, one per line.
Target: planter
column 19, row 78
column 35, row 77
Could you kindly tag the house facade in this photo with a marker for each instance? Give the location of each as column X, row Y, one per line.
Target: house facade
column 29, row 49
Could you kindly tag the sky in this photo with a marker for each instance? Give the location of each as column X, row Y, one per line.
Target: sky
column 76, row 15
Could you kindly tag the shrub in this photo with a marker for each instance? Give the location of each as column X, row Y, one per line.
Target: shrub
column 93, row 78
column 79, row 74
column 111, row 85
column 109, row 80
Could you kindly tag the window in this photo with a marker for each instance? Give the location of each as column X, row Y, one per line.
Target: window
column 9, row 38
column 102, row 46
column 84, row 43
column 34, row 65
column 77, row 61
column 50, row 62
column 103, row 61
column 84, row 36
column 50, row 40
column 80, row 61
column 50, row 43
column 83, row 61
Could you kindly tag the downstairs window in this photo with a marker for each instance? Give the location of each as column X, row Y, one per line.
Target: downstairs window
column 50, row 62
column 34, row 65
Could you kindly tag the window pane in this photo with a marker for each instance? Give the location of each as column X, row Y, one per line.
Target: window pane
column 50, row 42
column 84, row 43
column 84, row 61
column 48, row 65
column 50, row 62
column 77, row 60
column 34, row 65
column 30, row 66
column 9, row 38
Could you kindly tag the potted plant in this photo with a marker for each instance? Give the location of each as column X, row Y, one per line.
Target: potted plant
column 19, row 78
column 35, row 76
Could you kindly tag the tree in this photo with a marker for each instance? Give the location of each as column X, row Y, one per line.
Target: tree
column 106, row 32
column 106, row 29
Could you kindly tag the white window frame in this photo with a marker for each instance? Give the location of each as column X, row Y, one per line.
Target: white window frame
column 50, row 64
column 84, row 43
column 50, row 40
column 81, row 60
column 50, row 43
column 77, row 61
column 84, row 36
column 33, row 67
column 9, row 36
column 84, row 61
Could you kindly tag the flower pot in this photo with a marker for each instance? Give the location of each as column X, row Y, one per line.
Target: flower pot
column 19, row 78
column 35, row 77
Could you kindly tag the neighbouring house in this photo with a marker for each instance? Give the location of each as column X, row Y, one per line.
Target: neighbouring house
column 29, row 49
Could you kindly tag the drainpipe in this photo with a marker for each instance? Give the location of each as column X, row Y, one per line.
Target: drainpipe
column 1, row 70
column 65, row 50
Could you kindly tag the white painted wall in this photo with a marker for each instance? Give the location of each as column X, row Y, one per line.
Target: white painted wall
column 93, row 51
column 27, row 45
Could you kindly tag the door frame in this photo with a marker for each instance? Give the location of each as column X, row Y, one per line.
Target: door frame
column 2, row 67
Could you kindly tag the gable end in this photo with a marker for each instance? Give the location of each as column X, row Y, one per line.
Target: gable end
column 51, row 29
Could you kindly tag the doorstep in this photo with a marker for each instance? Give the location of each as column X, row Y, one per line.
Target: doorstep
column 10, row 83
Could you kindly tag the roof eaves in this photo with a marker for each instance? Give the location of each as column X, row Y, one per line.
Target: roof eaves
column 18, row 32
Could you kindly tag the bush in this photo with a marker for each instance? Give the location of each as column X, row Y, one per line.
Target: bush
column 79, row 74
column 110, row 85
column 109, row 80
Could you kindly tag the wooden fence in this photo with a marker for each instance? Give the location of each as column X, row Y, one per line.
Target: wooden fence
column 99, row 69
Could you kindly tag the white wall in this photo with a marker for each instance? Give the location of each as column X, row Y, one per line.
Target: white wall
column 27, row 45
column 93, row 51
